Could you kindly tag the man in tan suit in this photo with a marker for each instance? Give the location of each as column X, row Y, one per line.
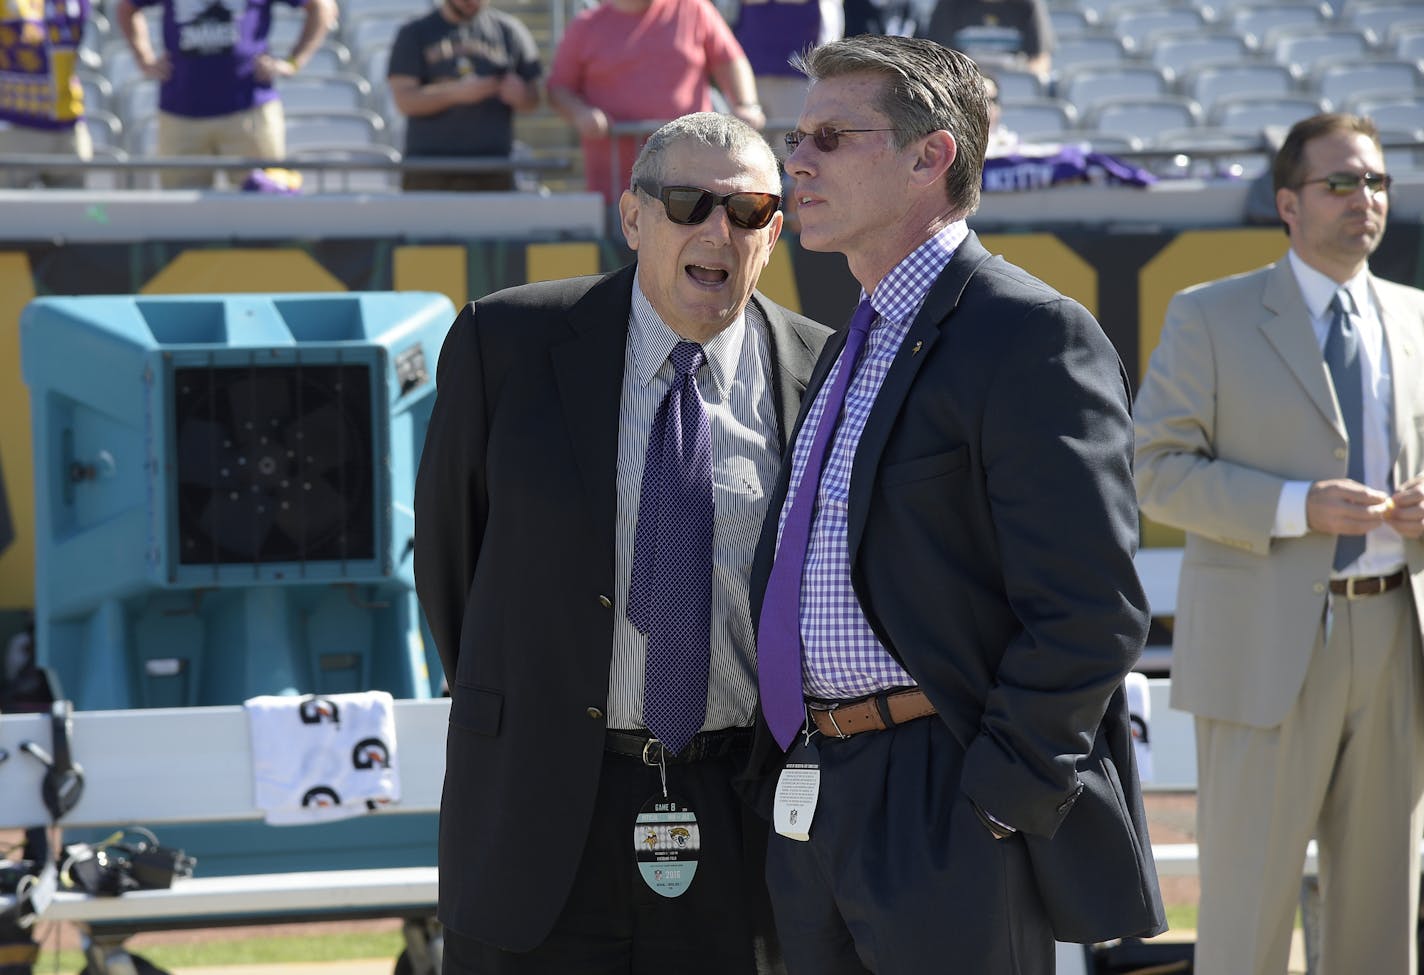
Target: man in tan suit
column 1297, row 641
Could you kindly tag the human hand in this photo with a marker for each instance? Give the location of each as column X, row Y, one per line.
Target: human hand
column 1406, row 508
column 268, row 69
column 591, row 123
column 157, row 69
column 1341, row 506
column 512, row 89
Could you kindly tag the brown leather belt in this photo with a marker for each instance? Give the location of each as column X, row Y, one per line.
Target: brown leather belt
column 1358, row 586
column 875, row 713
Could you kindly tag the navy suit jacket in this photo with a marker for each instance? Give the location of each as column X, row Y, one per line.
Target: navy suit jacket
column 992, row 526
column 514, row 560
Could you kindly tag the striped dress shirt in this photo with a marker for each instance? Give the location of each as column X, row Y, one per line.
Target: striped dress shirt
column 842, row 658
column 735, row 383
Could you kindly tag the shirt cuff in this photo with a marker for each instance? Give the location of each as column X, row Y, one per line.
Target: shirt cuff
column 1290, row 511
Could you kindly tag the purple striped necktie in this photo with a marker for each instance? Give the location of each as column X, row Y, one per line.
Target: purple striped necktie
column 670, row 586
column 779, row 630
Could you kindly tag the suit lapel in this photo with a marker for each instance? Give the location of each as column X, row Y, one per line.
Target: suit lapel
column 792, row 359
column 1406, row 360
column 588, row 373
column 1289, row 332
column 939, row 304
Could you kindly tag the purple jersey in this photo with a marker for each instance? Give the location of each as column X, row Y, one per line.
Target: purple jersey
column 770, row 32
column 214, row 45
column 39, row 49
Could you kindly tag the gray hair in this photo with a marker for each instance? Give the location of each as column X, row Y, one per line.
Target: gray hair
column 709, row 129
column 928, row 87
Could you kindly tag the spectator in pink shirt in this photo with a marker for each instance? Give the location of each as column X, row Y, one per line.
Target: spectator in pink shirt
column 641, row 60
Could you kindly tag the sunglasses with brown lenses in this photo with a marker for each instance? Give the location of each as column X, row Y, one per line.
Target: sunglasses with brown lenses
column 690, row 205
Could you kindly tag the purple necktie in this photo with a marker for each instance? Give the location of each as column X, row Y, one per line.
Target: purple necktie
column 779, row 632
column 670, row 589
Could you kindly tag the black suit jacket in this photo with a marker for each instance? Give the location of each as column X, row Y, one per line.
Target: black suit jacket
column 515, row 507
column 992, row 526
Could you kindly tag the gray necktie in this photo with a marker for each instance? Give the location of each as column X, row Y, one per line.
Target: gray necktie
column 1342, row 358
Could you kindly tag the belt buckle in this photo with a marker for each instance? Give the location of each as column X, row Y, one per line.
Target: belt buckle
column 830, row 712
column 1350, row 594
column 652, row 761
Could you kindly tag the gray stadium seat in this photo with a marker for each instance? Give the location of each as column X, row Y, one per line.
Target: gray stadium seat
column 1381, row 18
column 1136, row 26
column 1252, row 113
column 1182, row 52
column 1087, row 85
column 1209, row 84
column 332, row 57
column 351, row 128
column 1072, row 21
column 1399, row 113
column 1304, row 47
column 1341, row 81
column 1407, row 41
column 1145, row 117
column 107, row 179
column 105, row 128
column 1078, row 50
column 1208, row 152
column 373, row 29
column 1041, row 115
column 1013, row 83
column 98, row 92
column 316, row 92
column 369, row 180
column 1409, row 157
column 1259, row 21
column 1108, row 142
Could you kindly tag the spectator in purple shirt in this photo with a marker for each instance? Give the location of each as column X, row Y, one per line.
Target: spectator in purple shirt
column 216, row 96
column 40, row 97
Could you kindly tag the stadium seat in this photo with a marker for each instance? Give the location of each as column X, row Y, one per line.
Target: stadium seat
column 1259, row 21
column 1252, row 113
column 106, row 179
column 137, row 99
column 1211, row 83
column 352, row 129
column 1108, row 142
column 1078, row 50
column 1407, row 41
column 1041, row 115
column 1181, row 52
column 1304, row 47
column 1399, row 113
column 98, row 92
column 1013, row 83
column 1409, row 156
column 1341, row 81
column 367, row 180
column 1087, row 85
column 1381, row 18
column 105, row 128
column 315, row 92
column 332, row 57
column 1136, row 25
column 361, row 32
column 1074, row 21
column 1208, row 152
column 1144, row 116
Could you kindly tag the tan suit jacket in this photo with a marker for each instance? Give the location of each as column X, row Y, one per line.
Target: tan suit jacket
column 1237, row 401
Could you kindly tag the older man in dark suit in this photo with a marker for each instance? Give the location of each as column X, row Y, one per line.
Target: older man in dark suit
column 945, row 583
column 593, row 483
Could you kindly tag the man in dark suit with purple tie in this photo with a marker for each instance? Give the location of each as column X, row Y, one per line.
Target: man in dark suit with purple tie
column 945, row 587
column 592, row 487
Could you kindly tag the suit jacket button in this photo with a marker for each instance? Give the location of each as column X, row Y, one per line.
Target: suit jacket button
column 605, row 602
column 595, row 713
column 1319, row 587
column 1341, row 453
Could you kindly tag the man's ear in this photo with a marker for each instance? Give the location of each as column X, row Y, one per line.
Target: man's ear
column 1287, row 205
column 936, row 154
column 628, row 217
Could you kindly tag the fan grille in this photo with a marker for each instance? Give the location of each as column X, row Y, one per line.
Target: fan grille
column 274, row 463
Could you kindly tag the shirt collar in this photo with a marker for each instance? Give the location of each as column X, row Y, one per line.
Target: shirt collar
column 1319, row 289
column 900, row 293
column 652, row 342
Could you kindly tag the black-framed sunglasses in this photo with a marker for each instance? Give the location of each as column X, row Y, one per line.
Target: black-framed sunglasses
column 690, row 205
column 826, row 138
column 1343, row 184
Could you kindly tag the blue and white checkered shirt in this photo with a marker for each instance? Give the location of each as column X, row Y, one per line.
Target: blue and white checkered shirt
column 841, row 656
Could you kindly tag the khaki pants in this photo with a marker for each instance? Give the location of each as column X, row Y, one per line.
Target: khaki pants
column 259, row 132
column 24, row 141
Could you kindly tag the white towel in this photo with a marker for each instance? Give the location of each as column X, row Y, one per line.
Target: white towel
column 323, row 757
column 1139, row 709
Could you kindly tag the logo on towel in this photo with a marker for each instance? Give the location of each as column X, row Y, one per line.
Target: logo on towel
column 370, row 753
column 321, row 795
column 315, row 710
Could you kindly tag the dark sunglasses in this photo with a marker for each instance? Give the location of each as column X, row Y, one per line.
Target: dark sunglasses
column 690, row 205
column 826, row 138
column 1343, row 184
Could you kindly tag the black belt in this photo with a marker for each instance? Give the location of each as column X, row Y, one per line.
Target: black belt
column 704, row 745
column 1358, row 586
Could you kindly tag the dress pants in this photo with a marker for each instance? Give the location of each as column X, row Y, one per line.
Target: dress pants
column 614, row 924
column 900, row 877
column 1347, row 767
